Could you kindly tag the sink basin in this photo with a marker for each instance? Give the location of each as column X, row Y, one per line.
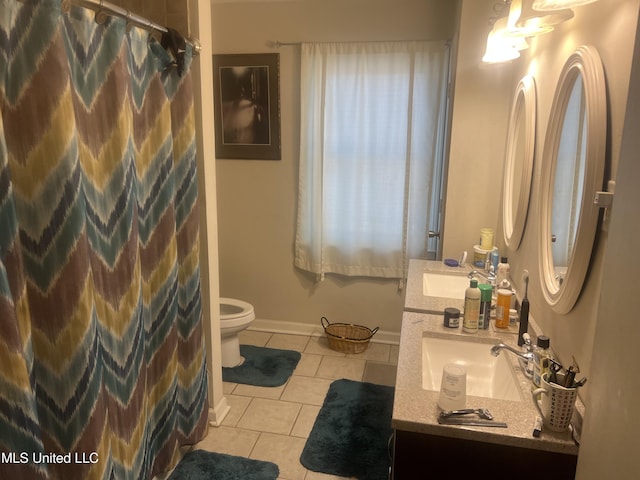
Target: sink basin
column 487, row 376
column 443, row 285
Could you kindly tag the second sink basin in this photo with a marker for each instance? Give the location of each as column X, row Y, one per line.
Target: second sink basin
column 443, row 285
column 487, row 376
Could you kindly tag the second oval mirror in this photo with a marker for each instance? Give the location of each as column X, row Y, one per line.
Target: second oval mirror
column 574, row 157
column 519, row 162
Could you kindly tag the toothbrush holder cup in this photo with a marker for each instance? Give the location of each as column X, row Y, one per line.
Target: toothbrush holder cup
column 556, row 405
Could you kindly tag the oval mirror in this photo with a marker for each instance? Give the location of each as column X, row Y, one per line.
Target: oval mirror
column 519, row 162
column 573, row 162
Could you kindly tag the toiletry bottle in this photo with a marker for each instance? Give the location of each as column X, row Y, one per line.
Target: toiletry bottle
column 503, row 303
column 495, row 258
column 504, row 271
column 506, row 285
column 471, row 307
column 486, row 238
column 541, row 355
column 485, row 305
column 513, row 317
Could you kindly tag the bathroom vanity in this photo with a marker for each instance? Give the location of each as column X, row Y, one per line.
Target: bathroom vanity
column 423, row 445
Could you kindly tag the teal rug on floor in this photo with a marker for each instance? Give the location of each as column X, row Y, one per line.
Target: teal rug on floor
column 203, row 465
column 351, row 433
column 262, row 366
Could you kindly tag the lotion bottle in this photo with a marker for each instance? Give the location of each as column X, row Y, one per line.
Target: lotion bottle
column 471, row 307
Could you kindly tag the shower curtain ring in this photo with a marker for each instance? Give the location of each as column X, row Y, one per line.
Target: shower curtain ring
column 196, row 46
column 101, row 17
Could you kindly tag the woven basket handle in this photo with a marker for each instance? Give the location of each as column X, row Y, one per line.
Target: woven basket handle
column 324, row 319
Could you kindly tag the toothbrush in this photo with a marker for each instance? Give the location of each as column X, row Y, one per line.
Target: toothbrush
column 524, row 309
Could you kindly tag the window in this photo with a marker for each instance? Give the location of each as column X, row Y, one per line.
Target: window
column 371, row 155
column 569, row 177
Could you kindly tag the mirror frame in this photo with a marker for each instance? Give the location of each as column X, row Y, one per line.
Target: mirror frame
column 514, row 217
column 585, row 61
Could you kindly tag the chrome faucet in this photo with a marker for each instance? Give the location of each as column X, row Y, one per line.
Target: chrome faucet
column 489, row 277
column 525, row 356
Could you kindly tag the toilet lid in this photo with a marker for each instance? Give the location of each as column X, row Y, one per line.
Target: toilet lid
column 231, row 308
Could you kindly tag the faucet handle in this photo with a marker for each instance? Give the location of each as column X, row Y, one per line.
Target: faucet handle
column 527, row 340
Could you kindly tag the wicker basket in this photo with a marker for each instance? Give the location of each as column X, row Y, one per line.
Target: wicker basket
column 347, row 338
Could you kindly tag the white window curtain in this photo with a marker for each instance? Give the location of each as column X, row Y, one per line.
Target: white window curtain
column 371, row 155
column 569, row 177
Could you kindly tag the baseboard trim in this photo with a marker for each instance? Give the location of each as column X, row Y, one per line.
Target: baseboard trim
column 218, row 412
column 294, row 328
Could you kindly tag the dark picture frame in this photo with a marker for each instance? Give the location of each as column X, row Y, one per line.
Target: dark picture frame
column 247, row 105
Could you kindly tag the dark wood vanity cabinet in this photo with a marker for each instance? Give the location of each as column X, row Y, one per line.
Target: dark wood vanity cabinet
column 422, row 456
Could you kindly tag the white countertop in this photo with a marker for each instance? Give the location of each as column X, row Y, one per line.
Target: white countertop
column 416, row 409
column 415, row 301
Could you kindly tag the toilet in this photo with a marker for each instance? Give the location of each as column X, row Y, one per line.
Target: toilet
column 235, row 316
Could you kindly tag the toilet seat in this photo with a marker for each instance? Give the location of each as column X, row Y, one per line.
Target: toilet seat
column 235, row 312
column 235, row 316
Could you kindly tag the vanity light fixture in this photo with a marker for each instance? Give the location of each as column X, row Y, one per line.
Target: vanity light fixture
column 510, row 35
column 499, row 51
column 524, row 21
column 521, row 21
column 502, row 46
column 552, row 5
column 528, row 21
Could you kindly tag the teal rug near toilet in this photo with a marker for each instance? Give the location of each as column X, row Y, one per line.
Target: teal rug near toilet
column 262, row 366
column 203, row 465
column 351, row 433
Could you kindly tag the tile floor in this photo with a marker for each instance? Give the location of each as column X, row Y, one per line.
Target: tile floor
column 273, row 424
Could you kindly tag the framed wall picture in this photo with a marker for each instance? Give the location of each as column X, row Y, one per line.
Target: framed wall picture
column 247, row 105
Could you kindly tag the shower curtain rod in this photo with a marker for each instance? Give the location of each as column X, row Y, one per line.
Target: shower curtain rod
column 102, row 7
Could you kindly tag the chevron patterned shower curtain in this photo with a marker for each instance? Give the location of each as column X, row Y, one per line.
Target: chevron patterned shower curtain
column 102, row 363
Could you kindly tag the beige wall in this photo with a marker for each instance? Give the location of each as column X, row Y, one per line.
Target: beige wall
column 609, row 442
column 257, row 199
column 482, row 96
column 169, row 13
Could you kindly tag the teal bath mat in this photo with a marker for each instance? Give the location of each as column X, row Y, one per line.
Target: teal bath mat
column 262, row 366
column 203, row 465
column 351, row 433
